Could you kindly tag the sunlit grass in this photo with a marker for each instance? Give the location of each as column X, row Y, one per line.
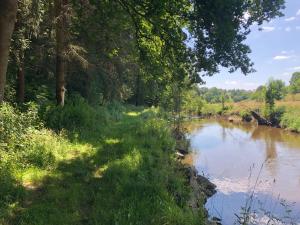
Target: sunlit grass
column 112, row 141
column 120, row 173
column 133, row 113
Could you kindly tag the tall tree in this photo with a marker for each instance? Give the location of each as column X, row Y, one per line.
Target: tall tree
column 220, row 27
column 8, row 12
column 61, row 7
column 30, row 15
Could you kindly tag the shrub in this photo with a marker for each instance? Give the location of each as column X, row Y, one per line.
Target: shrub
column 77, row 114
column 211, row 109
column 274, row 114
column 115, row 110
column 19, row 137
column 291, row 120
column 246, row 115
column 14, row 124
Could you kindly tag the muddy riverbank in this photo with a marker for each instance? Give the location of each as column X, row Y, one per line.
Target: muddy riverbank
column 201, row 188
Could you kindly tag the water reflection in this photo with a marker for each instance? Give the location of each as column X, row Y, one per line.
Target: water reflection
column 226, row 152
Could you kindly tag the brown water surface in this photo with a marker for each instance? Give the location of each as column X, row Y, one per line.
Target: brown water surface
column 242, row 159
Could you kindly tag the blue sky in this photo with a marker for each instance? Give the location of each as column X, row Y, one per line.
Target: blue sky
column 275, row 53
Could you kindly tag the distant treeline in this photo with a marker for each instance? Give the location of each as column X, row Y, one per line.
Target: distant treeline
column 217, row 95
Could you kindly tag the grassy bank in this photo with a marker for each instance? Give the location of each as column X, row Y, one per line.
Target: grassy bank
column 287, row 111
column 105, row 165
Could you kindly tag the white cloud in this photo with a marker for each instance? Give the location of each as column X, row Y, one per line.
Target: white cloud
column 228, row 186
column 284, row 52
column 268, row 29
column 281, row 57
column 233, row 82
column 295, row 68
column 288, row 29
column 290, row 19
column 298, row 13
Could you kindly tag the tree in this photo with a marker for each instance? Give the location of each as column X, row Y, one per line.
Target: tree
column 259, row 94
column 220, row 28
column 8, row 12
column 135, row 51
column 29, row 17
column 61, row 7
column 295, row 83
column 275, row 90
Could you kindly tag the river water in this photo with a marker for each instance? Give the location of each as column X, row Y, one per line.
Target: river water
column 256, row 169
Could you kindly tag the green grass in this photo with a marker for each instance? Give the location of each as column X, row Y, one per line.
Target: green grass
column 121, row 171
column 288, row 111
column 291, row 119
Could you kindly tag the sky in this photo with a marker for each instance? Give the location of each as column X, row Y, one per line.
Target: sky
column 275, row 53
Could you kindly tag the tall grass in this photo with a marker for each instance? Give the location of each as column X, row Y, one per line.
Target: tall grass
column 103, row 165
column 291, row 119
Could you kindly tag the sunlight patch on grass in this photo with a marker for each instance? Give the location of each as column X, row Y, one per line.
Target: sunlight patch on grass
column 131, row 160
column 112, row 141
column 31, row 178
column 100, row 171
column 133, row 114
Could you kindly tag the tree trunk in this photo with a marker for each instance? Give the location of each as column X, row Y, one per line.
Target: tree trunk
column 20, row 84
column 8, row 13
column 137, row 89
column 60, row 8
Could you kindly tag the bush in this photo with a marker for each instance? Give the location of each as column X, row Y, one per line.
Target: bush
column 291, row 120
column 246, row 115
column 21, row 137
column 211, row 109
column 15, row 124
column 77, row 114
column 274, row 115
column 115, row 110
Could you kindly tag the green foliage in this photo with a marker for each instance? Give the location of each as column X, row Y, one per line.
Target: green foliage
column 220, row 40
column 246, row 115
column 77, row 114
column 275, row 90
column 275, row 114
column 214, row 95
column 192, row 103
column 10, row 192
column 132, row 51
column 259, row 94
column 295, row 83
column 211, row 109
column 291, row 119
column 14, row 125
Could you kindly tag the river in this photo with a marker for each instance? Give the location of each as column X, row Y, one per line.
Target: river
column 256, row 169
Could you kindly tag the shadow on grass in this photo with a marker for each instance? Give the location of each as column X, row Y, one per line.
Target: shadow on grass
column 10, row 192
column 130, row 178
